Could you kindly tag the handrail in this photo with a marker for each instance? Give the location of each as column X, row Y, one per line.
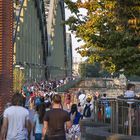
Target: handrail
column 122, row 99
column 123, row 118
column 128, row 99
column 17, row 23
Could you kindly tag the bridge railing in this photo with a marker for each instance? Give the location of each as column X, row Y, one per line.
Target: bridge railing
column 122, row 114
column 103, row 110
column 127, row 116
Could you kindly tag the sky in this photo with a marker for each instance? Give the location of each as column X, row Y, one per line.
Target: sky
column 75, row 43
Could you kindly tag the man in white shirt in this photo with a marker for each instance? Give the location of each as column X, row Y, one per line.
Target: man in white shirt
column 16, row 121
column 130, row 91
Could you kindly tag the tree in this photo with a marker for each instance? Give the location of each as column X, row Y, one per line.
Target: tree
column 111, row 32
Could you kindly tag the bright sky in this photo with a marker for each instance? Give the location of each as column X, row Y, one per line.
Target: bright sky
column 75, row 43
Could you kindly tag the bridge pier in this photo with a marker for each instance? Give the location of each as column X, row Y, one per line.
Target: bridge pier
column 6, row 51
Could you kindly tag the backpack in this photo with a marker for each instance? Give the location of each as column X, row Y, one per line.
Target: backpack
column 37, row 101
column 87, row 111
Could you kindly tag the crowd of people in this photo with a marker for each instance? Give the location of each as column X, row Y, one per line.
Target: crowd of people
column 41, row 90
column 50, row 122
column 53, row 119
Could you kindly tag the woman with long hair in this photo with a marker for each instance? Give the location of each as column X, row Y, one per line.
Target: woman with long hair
column 75, row 119
column 38, row 121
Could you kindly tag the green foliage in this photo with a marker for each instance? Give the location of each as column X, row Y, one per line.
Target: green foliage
column 111, row 32
column 72, row 6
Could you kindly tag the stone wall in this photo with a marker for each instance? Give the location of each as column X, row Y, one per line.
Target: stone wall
column 98, row 131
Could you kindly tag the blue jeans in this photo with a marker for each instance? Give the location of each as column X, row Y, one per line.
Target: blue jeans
column 38, row 136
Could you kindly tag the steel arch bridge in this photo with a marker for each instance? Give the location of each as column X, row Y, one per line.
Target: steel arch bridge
column 23, row 41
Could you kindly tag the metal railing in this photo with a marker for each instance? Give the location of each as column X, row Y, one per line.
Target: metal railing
column 122, row 114
column 103, row 110
column 127, row 115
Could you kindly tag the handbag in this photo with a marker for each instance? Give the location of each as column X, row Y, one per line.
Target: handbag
column 74, row 132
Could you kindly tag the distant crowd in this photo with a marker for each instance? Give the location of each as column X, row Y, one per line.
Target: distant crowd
column 55, row 116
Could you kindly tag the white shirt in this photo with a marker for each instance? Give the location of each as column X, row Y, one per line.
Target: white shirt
column 82, row 99
column 38, row 126
column 16, row 116
column 129, row 93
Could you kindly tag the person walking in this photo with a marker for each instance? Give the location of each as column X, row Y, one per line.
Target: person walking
column 16, row 121
column 130, row 91
column 74, row 131
column 68, row 100
column 55, row 120
column 87, row 112
column 130, row 96
column 38, row 121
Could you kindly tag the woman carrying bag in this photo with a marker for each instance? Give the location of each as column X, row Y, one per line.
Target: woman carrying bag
column 74, row 131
